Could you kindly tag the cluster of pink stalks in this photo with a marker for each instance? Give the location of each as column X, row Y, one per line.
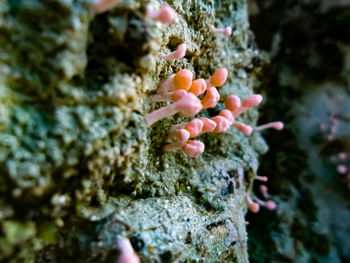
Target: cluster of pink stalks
column 184, row 92
column 254, row 206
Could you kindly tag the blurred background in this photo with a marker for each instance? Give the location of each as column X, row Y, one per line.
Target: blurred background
column 305, row 77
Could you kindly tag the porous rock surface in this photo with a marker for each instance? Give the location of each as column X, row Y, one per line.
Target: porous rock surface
column 78, row 165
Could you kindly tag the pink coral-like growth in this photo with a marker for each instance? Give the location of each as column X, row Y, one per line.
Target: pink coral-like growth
column 227, row 31
column 179, row 53
column 198, row 87
column 211, row 98
column 127, row 254
column 191, row 148
column 277, row 125
column 165, row 14
column 251, row 102
column 222, row 124
column 188, row 105
column 254, row 207
column 218, row 78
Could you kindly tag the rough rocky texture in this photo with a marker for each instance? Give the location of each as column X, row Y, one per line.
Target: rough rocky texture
column 308, row 42
column 78, row 165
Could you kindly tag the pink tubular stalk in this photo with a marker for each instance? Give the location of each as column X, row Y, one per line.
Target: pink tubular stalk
column 224, row 31
column 211, row 98
column 232, row 103
column 277, row 125
column 127, row 254
column 198, row 87
column 245, row 129
column 179, row 53
column 191, row 148
column 188, row 105
column 251, row 102
column 264, row 191
column 165, row 15
column 270, row 205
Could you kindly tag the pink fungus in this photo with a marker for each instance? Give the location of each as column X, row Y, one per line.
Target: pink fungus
column 191, row 148
column 127, row 254
column 222, row 124
column 245, row 129
column 342, row 169
column 251, row 102
column 270, row 205
column 228, row 115
column 198, row 87
column 188, row 105
column 101, row 6
column 208, row 125
column 165, row 15
column 264, row 191
column 182, row 80
column 218, row 78
column 181, row 134
column 179, row 53
column 232, row 103
column 342, row 156
column 261, row 178
column 224, row 31
column 194, row 127
column 254, row 207
column 211, row 98
column 277, row 125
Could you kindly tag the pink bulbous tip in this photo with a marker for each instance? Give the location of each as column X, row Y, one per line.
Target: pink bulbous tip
column 224, row 31
column 178, row 94
column 261, row 178
column 183, row 79
column 232, row 102
column 193, row 148
column 342, row 169
column 254, row 207
column 198, row 87
column 245, row 129
column 342, row 156
column 222, row 124
column 219, row 77
column 181, row 134
column 264, row 191
column 211, row 98
column 165, row 15
column 127, row 254
column 271, row 205
column 228, row 31
column 277, row 125
column 228, row 115
column 252, row 101
column 194, row 127
column 208, row 125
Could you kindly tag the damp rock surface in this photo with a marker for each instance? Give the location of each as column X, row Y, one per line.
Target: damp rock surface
column 79, row 167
